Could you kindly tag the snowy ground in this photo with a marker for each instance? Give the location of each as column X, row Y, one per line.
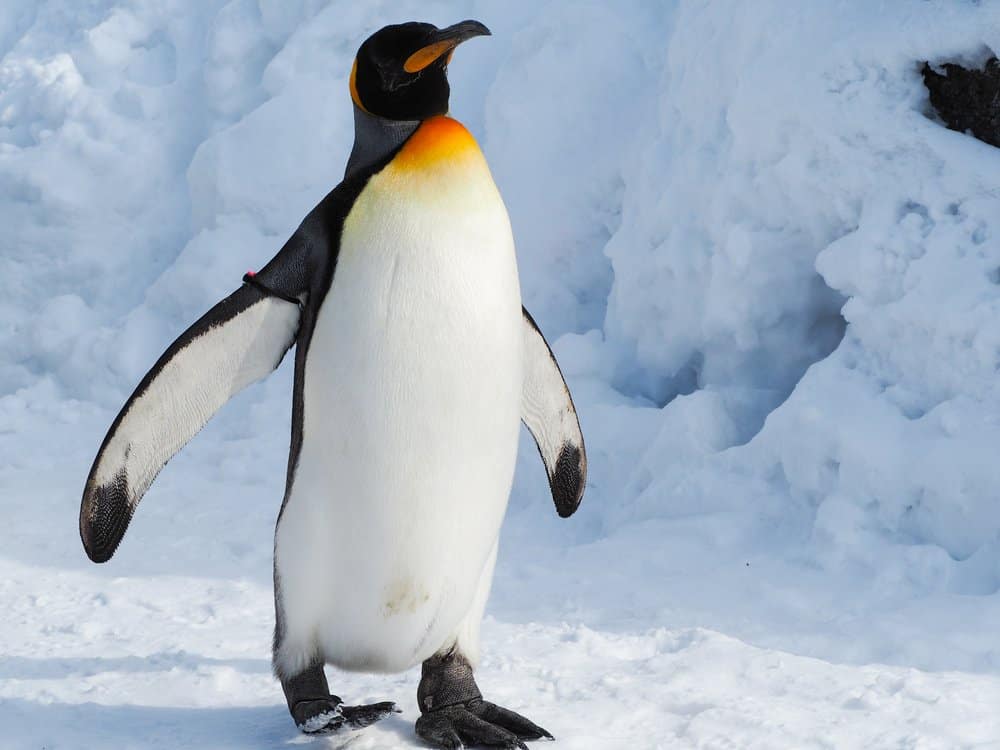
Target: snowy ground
column 770, row 276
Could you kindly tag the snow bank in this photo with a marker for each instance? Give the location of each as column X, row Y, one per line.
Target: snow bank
column 804, row 273
column 807, row 174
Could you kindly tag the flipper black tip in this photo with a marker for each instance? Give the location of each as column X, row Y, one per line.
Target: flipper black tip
column 104, row 516
column 568, row 480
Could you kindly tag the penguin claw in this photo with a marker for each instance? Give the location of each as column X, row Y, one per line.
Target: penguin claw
column 475, row 723
column 359, row 717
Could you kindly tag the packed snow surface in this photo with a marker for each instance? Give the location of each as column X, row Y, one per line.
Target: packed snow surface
column 772, row 279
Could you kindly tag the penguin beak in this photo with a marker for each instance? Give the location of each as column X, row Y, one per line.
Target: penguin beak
column 441, row 42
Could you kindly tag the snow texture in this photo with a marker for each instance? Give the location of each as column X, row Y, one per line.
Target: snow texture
column 770, row 275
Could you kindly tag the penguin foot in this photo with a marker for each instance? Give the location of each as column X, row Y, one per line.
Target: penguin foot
column 478, row 722
column 359, row 717
column 330, row 715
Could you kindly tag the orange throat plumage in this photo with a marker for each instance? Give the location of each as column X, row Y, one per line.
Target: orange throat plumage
column 438, row 139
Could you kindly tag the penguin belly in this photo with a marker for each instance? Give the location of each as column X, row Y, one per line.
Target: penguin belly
column 411, row 394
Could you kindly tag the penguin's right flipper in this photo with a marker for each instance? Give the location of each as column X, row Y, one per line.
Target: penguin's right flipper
column 547, row 411
column 239, row 341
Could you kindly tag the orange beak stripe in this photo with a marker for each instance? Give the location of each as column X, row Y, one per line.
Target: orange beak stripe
column 424, row 57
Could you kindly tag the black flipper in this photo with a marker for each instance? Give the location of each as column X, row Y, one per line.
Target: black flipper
column 547, row 411
column 239, row 341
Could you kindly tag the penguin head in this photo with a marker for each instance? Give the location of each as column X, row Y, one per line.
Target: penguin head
column 401, row 71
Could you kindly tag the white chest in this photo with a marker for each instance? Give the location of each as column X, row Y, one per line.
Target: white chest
column 411, row 394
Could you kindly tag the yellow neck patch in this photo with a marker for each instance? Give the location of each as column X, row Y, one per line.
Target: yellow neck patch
column 438, row 139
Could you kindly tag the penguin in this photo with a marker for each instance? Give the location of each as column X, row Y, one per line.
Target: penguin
column 415, row 364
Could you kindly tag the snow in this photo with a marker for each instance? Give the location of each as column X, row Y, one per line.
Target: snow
column 770, row 277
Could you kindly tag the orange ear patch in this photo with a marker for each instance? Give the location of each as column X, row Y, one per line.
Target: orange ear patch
column 354, row 86
column 438, row 138
column 424, row 57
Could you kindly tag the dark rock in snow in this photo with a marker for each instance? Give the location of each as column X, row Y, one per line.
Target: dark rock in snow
column 967, row 100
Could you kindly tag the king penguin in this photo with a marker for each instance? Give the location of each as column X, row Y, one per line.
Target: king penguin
column 415, row 363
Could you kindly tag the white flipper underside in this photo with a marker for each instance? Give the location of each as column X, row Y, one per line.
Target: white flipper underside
column 547, row 411
column 210, row 363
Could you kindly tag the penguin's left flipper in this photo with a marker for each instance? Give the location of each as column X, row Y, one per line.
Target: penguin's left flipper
column 547, row 411
column 239, row 341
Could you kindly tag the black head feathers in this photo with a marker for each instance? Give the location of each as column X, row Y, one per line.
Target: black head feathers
column 401, row 71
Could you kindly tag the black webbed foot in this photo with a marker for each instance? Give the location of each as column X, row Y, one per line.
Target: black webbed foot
column 478, row 722
column 328, row 715
column 319, row 716
column 455, row 715
column 359, row 717
column 317, row 711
